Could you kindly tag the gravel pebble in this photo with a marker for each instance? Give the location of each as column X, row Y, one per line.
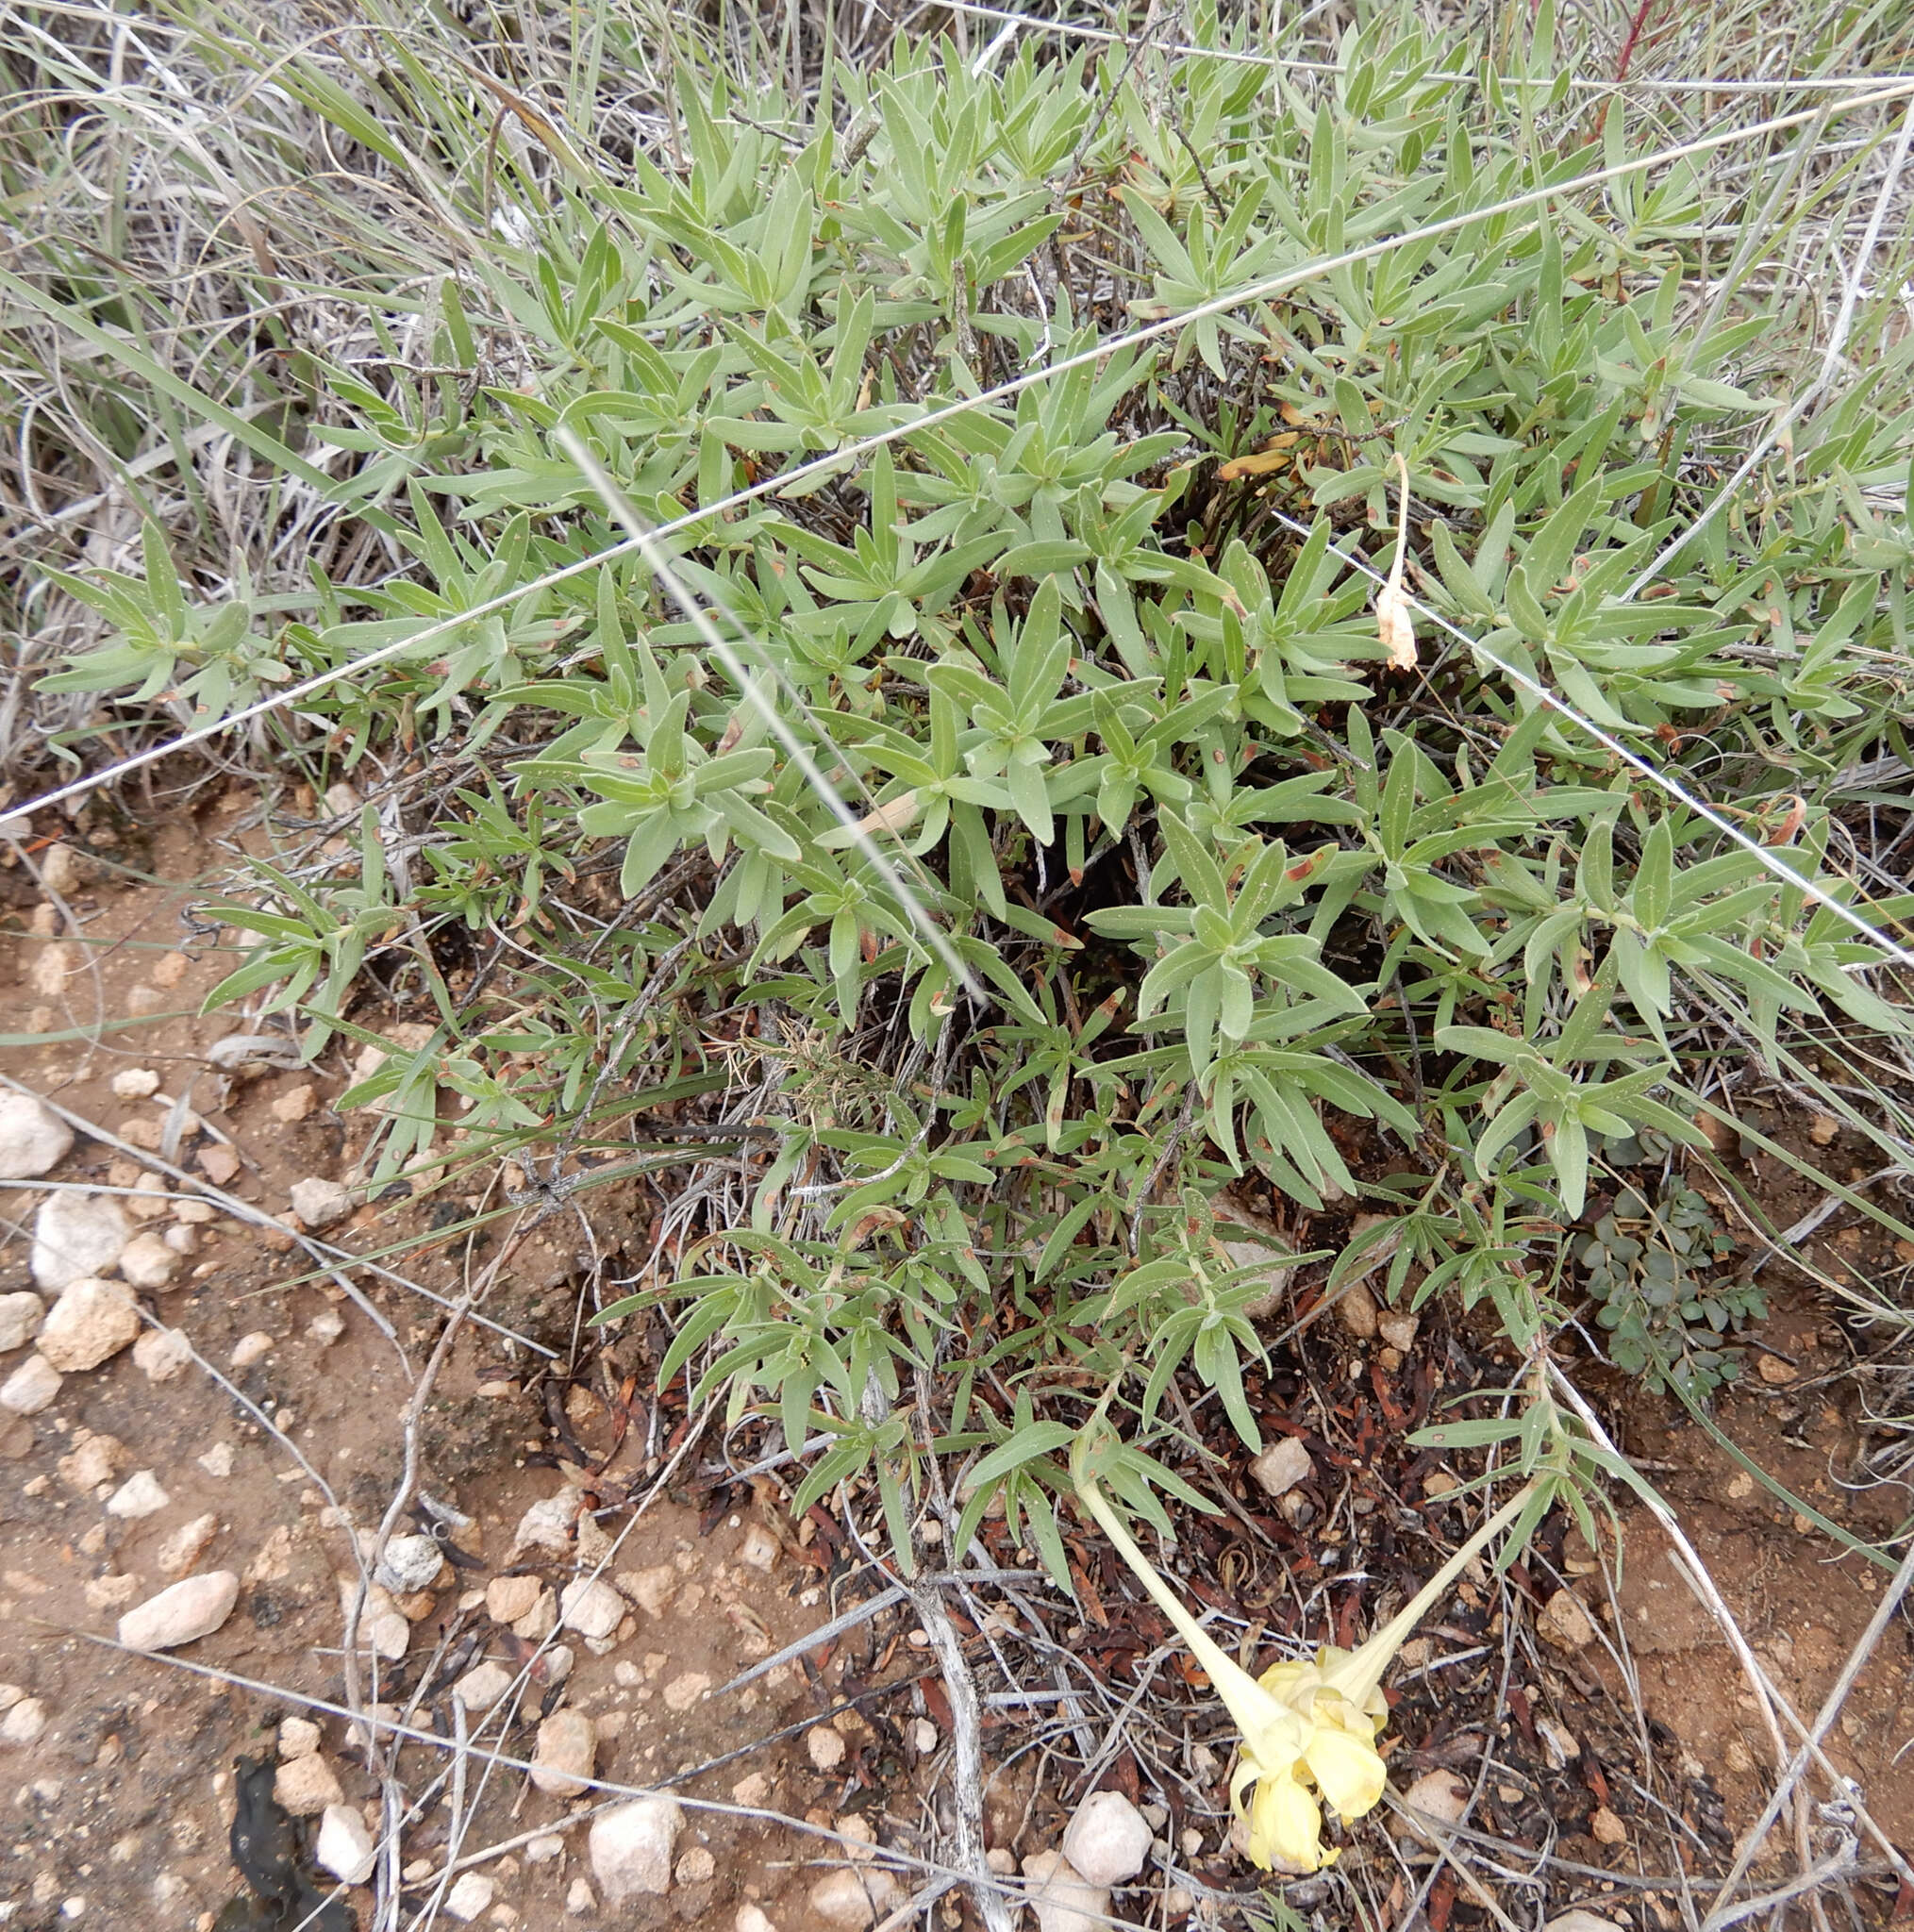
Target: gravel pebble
column 472, row 1893
column 591, row 1607
column 163, row 1353
column 181, row 1614
column 631, row 1847
column 33, row 1138
column 90, row 1320
column 482, row 1687
column 320, row 1202
column 1281, row 1466
column 31, row 1386
column 346, row 1846
column 299, row 1736
column 23, row 1724
column 826, row 1748
column 1106, row 1841
column 409, row 1564
column 252, row 1348
column 20, row 1318
column 146, row 1261
column 580, row 1899
column 305, row 1786
column 138, row 1495
column 135, row 1083
column 76, row 1235
column 567, row 1749
column 1064, row 1900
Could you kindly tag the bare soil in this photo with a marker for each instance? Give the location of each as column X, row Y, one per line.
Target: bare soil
column 120, row 1810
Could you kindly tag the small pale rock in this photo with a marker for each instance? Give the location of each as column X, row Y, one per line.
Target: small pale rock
column 95, row 1459
column 482, row 1687
column 20, row 1318
column 299, row 1736
column 1565, row 1623
column 343, row 799
column 23, row 1724
column 1356, row 1310
column 471, row 1893
column 1440, row 1797
column 1580, row 1921
column 547, row 1524
column 76, row 1235
column 852, row 1899
column 305, row 1786
column 922, row 1737
column 684, row 1691
column 759, row 1550
column 148, row 1201
column 1280, row 1466
column 539, row 1620
column 49, row 971
column 651, row 1590
column 390, row 1635
column 182, row 1240
column 163, row 1353
column 189, row 1208
column 146, row 1261
column 346, row 1846
column 170, row 969
column 592, row 1608
column 219, row 1163
column 567, row 1745
column 33, row 1138
column 112, row 1592
column 182, row 1613
column 320, row 1202
column 1107, row 1841
column 631, row 1847
column 217, row 1462
column 1606, row 1828
column 11, row 1695
column 91, row 1321
column 1561, row 1747
column 579, row 1898
column 138, row 1495
column 1774, row 1372
column 826, row 1748
column 186, row 1545
column 137, row 1131
column 135, row 1083
column 544, row 1849
column 31, row 1386
column 326, row 1326
column 751, row 1919
column 509, row 1598
column 295, row 1104
column 697, row 1867
column 1399, row 1331
column 410, row 1562
column 751, row 1790
column 1064, row 1900
column 252, row 1348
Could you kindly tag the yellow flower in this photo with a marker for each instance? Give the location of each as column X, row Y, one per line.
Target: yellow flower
column 1309, row 1728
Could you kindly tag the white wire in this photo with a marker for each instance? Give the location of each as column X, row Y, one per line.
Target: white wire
column 850, row 453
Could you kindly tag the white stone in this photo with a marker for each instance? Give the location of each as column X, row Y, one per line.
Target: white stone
column 544, row 1849
column 851, row 1900
column 547, row 1524
column 1565, row 1623
column 23, row 1724
column 96, row 1458
column 90, row 1320
column 1064, row 1899
column 568, row 1745
column 509, row 1598
column 217, row 1462
column 320, row 1202
column 758, row 1551
column 1281, row 1467
column 591, row 1607
column 1580, row 1921
column 471, row 1894
column 579, row 1898
column 751, row 1919
column 923, row 1736
column 1107, row 1839
column 182, row 1240
column 31, row 1386
column 305, row 1786
column 346, row 1846
column 654, row 1590
column 684, row 1691
column 326, row 1326
column 146, row 1261
column 252, row 1348
column 390, row 1635
column 163, row 1353
column 76, row 1235
column 136, row 1083
column 20, row 1318
column 186, row 1545
column 149, row 1199
column 409, row 1564
column 181, row 1614
column 33, row 1138
column 631, row 1847
column 138, row 1495
column 826, row 1748
column 299, row 1736
column 481, row 1687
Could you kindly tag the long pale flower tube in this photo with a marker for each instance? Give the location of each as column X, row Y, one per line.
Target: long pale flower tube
column 1309, row 1728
